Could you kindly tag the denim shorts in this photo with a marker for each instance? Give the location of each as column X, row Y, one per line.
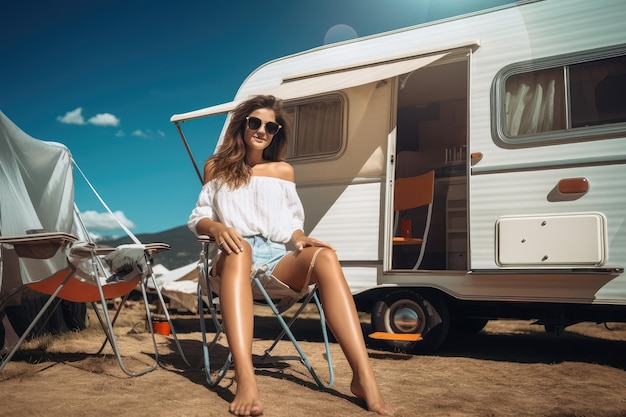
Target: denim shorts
column 265, row 253
column 265, row 256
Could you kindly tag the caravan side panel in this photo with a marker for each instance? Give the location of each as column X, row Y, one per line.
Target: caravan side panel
column 517, row 182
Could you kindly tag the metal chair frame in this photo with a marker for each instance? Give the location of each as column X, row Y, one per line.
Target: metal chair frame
column 213, row 380
column 77, row 254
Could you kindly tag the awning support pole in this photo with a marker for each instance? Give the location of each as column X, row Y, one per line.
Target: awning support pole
column 193, row 161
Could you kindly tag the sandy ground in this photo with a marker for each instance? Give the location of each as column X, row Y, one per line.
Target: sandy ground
column 509, row 369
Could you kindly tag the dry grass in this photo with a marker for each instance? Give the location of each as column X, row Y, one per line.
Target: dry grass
column 512, row 368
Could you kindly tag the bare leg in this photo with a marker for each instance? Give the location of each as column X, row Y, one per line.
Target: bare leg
column 238, row 314
column 341, row 315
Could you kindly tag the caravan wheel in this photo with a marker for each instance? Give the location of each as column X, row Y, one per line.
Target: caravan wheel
column 406, row 311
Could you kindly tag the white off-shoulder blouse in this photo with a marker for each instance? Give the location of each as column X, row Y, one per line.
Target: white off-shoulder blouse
column 266, row 206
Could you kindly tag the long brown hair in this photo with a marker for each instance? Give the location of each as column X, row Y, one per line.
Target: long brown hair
column 228, row 163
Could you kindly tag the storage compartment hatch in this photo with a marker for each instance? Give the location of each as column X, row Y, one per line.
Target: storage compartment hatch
column 553, row 240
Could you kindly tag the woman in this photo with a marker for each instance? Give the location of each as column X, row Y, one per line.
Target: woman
column 250, row 206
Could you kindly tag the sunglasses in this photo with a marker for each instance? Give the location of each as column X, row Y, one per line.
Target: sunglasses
column 254, row 123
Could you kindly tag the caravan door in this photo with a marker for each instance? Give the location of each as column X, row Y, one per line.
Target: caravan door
column 431, row 136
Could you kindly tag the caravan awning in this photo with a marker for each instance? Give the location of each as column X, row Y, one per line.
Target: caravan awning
column 207, row 111
column 306, row 86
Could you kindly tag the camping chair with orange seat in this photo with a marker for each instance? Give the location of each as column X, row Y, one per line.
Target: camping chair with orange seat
column 80, row 276
column 45, row 247
column 411, row 193
column 208, row 292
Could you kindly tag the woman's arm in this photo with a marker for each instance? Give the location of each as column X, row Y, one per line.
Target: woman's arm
column 301, row 241
column 228, row 239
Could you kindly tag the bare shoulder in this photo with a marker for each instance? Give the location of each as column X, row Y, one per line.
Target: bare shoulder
column 279, row 169
column 284, row 171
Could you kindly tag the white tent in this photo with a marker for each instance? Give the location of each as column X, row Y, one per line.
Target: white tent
column 180, row 285
column 159, row 269
column 36, row 193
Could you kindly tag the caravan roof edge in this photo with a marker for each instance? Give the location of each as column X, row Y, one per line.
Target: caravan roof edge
column 243, row 93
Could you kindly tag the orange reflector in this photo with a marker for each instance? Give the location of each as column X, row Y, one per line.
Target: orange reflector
column 573, row 185
column 401, row 337
column 476, row 157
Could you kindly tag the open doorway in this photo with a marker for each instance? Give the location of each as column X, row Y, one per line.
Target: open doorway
column 432, row 136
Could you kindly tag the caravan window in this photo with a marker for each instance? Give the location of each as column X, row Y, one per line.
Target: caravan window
column 582, row 100
column 317, row 127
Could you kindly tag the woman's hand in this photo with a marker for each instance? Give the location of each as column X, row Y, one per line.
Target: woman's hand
column 303, row 241
column 228, row 239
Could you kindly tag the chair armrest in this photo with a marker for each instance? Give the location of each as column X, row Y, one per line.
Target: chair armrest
column 149, row 248
column 205, row 239
column 82, row 249
column 39, row 245
column 35, row 238
column 157, row 247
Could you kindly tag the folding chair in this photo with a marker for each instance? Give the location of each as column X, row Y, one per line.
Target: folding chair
column 49, row 247
column 409, row 193
column 278, row 307
column 71, row 281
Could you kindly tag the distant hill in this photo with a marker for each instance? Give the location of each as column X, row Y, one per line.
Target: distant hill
column 184, row 246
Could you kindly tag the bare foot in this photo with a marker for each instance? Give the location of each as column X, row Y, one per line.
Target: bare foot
column 372, row 397
column 246, row 402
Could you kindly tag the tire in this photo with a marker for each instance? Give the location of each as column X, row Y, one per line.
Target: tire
column 406, row 311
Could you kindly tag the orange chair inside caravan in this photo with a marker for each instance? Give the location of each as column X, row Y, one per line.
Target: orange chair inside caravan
column 410, row 193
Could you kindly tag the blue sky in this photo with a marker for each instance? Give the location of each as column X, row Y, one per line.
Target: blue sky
column 104, row 78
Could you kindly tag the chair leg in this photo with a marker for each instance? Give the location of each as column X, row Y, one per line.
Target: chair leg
column 286, row 330
column 206, row 347
column 168, row 318
column 329, row 361
column 33, row 323
column 103, row 326
column 425, row 238
column 107, row 327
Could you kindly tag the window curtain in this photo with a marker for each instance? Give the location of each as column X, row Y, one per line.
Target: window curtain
column 318, row 128
column 535, row 102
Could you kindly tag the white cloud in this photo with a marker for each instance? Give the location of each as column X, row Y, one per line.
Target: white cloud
column 74, row 117
column 96, row 237
column 148, row 133
column 104, row 221
column 104, row 119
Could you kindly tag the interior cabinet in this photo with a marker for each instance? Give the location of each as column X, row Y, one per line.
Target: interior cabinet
column 456, row 224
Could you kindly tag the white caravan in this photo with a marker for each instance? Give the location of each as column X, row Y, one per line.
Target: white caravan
column 520, row 112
